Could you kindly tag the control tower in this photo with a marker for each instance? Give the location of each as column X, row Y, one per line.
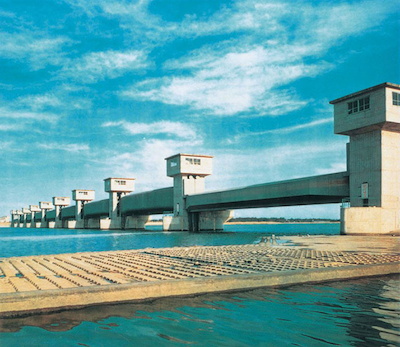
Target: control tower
column 33, row 209
column 117, row 188
column 44, row 207
column 81, row 197
column 59, row 202
column 25, row 213
column 371, row 118
column 189, row 172
column 16, row 218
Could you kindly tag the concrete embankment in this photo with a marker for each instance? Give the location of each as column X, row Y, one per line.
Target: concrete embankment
column 58, row 282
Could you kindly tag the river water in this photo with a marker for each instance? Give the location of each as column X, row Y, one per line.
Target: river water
column 362, row 312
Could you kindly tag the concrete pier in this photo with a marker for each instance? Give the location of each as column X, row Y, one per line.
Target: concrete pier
column 66, row 281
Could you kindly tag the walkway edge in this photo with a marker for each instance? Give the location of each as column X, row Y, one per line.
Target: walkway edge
column 26, row 303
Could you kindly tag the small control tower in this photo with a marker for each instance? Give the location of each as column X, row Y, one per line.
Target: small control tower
column 189, row 172
column 44, row 207
column 59, row 202
column 16, row 218
column 25, row 213
column 371, row 118
column 81, row 197
column 117, row 188
column 34, row 209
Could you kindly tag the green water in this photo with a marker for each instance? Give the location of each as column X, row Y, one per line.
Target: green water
column 354, row 313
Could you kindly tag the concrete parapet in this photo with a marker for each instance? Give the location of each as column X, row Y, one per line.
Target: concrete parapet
column 93, row 223
column 70, row 224
column 199, row 221
column 175, row 223
column 214, row 220
column 370, row 220
column 136, row 222
column 105, row 223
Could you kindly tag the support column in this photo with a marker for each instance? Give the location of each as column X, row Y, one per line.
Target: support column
column 136, row 222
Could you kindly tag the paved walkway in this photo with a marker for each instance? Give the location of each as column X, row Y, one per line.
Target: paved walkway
column 56, row 282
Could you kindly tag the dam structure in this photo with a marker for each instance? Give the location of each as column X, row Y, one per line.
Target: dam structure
column 369, row 189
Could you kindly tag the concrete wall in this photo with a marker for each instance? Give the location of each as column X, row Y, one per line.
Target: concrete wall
column 365, row 166
column 390, row 195
column 370, row 220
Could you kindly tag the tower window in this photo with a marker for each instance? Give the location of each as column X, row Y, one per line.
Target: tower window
column 358, row 105
column 396, row 98
column 194, row 161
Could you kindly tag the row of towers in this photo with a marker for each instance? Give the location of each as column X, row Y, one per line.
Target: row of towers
column 115, row 187
column 188, row 172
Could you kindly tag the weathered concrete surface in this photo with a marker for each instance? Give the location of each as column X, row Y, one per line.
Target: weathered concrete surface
column 65, row 281
column 380, row 244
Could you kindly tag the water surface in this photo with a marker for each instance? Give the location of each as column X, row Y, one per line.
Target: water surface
column 353, row 313
column 25, row 241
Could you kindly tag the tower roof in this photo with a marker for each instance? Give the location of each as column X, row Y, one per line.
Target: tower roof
column 364, row 91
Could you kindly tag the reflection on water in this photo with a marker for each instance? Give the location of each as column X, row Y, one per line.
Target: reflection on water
column 353, row 313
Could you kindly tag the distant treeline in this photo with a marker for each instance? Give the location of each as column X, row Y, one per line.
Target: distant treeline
column 281, row 220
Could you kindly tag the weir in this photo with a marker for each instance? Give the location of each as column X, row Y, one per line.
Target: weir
column 46, row 283
column 369, row 188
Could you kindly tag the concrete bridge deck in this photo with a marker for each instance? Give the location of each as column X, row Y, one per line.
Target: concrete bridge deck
column 65, row 281
column 323, row 189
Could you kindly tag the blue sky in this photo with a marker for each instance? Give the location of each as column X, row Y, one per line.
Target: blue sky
column 100, row 88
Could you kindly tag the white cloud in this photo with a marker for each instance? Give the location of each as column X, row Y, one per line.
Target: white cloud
column 247, row 74
column 39, row 49
column 67, row 147
column 286, row 130
column 39, row 102
column 228, row 83
column 10, row 127
column 6, row 145
column 177, row 129
column 108, row 64
column 27, row 115
column 60, row 99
